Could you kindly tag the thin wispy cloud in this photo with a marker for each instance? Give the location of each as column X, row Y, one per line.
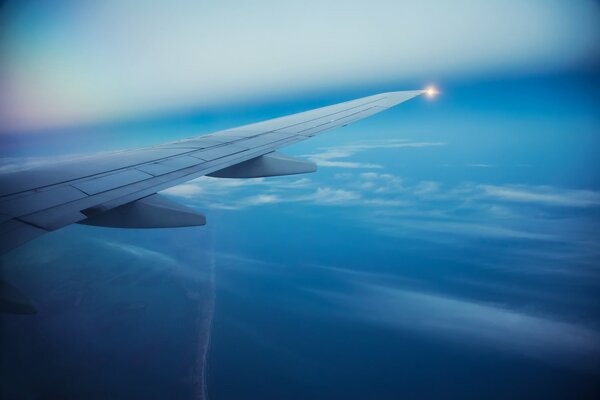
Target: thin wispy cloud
column 261, row 199
column 328, row 195
column 228, row 194
column 139, row 252
column 545, row 195
column 394, row 301
column 326, row 161
column 479, row 165
column 448, row 231
column 187, row 190
column 425, row 210
column 16, row 164
column 161, row 262
column 498, row 201
column 331, row 158
column 335, row 156
column 471, row 322
column 323, row 195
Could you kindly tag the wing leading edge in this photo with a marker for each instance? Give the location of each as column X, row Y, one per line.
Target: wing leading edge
column 120, row 184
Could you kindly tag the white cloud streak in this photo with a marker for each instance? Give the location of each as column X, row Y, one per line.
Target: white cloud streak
column 139, row 252
column 472, row 323
column 330, row 156
column 187, row 190
column 461, row 215
column 403, row 303
column 544, row 195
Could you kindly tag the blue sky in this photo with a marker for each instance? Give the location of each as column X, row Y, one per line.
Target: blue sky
column 68, row 63
column 447, row 247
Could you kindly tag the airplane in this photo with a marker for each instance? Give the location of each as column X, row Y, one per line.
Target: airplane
column 121, row 189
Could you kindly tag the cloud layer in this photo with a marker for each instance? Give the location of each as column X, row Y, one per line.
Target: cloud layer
column 459, row 215
column 471, row 323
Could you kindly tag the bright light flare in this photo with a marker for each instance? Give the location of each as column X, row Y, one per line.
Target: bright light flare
column 431, row 91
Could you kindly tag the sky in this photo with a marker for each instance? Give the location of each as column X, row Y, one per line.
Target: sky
column 72, row 62
column 445, row 248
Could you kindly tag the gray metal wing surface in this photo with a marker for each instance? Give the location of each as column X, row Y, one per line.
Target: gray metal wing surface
column 120, row 188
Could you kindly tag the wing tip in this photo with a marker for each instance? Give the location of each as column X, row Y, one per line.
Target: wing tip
column 391, row 99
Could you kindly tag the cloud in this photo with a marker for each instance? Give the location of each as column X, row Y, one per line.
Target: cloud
column 226, row 194
column 111, row 60
column 322, row 196
column 470, row 322
column 324, row 162
column 16, row 164
column 545, row 195
column 439, row 228
column 262, row 199
column 206, row 187
column 327, row 195
column 330, row 156
column 392, row 300
column 139, row 252
column 464, row 214
column 479, row 165
column 426, row 188
column 187, row 190
column 159, row 262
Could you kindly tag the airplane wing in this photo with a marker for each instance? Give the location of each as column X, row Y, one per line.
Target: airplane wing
column 120, row 189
